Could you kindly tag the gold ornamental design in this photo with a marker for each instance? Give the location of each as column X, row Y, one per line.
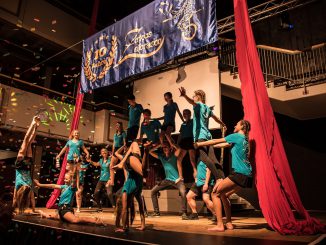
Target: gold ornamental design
column 106, row 63
column 184, row 17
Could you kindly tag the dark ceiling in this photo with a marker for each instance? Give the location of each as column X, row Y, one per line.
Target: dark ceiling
column 112, row 10
column 20, row 50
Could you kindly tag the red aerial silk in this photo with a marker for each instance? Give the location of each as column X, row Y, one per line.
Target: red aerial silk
column 276, row 188
column 75, row 121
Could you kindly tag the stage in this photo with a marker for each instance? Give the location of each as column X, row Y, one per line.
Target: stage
column 251, row 228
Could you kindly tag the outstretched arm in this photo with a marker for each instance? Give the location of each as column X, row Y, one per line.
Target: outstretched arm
column 183, row 94
column 61, row 152
column 222, row 145
column 216, row 119
column 210, row 142
column 86, row 151
column 180, row 114
column 48, row 186
column 153, row 153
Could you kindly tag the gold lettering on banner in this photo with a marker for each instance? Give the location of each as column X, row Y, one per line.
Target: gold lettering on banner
column 184, row 17
column 140, row 44
column 106, row 63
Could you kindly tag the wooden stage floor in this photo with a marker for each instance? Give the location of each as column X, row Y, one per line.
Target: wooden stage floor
column 251, row 228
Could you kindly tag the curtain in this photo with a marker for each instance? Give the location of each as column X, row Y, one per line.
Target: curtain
column 75, row 121
column 276, row 188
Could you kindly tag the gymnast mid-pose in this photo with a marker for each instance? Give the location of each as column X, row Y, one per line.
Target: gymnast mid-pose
column 65, row 211
column 201, row 132
column 75, row 145
column 241, row 175
column 133, row 185
column 119, row 140
column 23, row 192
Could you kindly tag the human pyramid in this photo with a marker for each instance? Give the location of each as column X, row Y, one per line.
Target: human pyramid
column 194, row 138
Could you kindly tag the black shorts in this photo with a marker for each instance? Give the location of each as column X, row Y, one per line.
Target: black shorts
column 62, row 210
column 128, row 167
column 198, row 190
column 132, row 133
column 187, row 144
column 165, row 127
column 241, row 180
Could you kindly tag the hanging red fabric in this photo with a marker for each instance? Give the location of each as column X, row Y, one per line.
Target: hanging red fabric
column 75, row 121
column 276, row 188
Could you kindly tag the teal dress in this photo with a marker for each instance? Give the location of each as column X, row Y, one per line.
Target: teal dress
column 105, row 169
column 119, row 139
column 74, row 148
column 152, row 130
column 67, row 195
column 239, row 152
column 170, row 166
column 202, row 113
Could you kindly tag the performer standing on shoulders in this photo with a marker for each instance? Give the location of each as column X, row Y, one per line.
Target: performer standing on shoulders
column 169, row 110
column 185, row 141
column 119, row 139
column 135, row 111
column 169, row 162
column 75, row 146
column 201, row 133
column 242, row 171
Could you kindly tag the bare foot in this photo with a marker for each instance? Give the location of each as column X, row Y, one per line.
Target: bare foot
column 229, row 226
column 141, row 228
column 219, row 227
column 120, row 230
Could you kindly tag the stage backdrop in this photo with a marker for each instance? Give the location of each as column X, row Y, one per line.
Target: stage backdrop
column 201, row 75
column 145, row 39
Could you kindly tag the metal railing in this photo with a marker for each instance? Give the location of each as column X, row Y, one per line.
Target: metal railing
column 294, row 69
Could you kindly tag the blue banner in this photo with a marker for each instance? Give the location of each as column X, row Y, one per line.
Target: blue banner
column 151, row 36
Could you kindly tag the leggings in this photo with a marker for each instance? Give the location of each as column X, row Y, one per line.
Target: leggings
column 206, row 154
column 97, row 194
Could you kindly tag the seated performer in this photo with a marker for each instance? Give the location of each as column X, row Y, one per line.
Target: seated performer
column 169, row 162
column 65, row 209
column 242, row 171
column 23, row 193
column 133, row 185
column 203, row 185
column 105, row 181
